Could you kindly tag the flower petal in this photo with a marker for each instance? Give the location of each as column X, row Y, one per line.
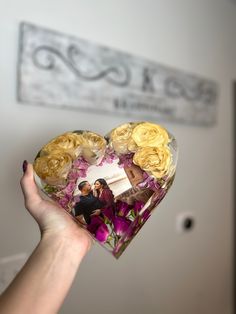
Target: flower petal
column 121, row 225
column 102, row 233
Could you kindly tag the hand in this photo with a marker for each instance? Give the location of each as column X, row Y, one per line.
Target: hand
column 81, row 219
column 95, row 193
column 96, row 212
column 52, row 219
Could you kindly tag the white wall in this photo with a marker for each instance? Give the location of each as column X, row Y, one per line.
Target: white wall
column 162, row 271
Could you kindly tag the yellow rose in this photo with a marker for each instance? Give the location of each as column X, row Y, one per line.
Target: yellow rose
column 93, row 147
column 68, row 142
column 132, row 146
column 53, row 168
column 156, row 160
column 149, row 134
column 121, row 139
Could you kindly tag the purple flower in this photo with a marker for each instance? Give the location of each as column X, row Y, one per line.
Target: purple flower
column 138, row 205
column 81, row 163
column 122, row 208
column 126, row 160
column 127, row 237
column 109, row 157
column 149, row 182
column 69, row 189
column 132, row 229
column 73, row 175
column 121, row 225
column 80, row 167
column 98, row 228
column 108, row 212
column 82, row 173
column 96, row 221
column 102, row 233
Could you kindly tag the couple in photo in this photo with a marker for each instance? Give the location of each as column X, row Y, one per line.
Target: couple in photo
column 93, row 201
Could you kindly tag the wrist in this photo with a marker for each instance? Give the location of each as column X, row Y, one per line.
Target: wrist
column 74, row 246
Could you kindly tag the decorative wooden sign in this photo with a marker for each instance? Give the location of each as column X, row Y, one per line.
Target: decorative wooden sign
column 67, row 72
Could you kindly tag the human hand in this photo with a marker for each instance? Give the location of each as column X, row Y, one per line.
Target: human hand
column 81, row 219
column 95, row 193
column 96, row 212
column 52, row 219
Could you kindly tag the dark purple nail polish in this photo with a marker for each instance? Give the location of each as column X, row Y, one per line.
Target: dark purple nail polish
column 24, row 166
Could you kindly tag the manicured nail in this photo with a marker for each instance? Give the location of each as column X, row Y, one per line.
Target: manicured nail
column 24, row 166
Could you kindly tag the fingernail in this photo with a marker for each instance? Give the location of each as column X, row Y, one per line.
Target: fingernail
column 24, row 166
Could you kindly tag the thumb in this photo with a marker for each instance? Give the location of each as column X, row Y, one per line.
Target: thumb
column 28, row 186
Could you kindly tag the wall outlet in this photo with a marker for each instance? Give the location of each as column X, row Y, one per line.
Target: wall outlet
column 9, row 267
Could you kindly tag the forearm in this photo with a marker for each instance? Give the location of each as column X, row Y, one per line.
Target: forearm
column 42, row 284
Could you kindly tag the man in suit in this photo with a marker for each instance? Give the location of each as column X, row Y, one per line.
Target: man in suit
column 88, row 205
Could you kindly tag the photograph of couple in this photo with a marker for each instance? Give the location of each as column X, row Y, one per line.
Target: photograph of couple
column 92, row 201
column 110, row 204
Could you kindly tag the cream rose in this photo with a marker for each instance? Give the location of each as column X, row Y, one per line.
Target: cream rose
column 121, row 139
column 68, row 142
column 93, row 147
column 149, row 134
column 54, row 168
column 156, row 160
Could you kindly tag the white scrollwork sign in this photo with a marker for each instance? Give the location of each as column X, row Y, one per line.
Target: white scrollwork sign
column 67, row 72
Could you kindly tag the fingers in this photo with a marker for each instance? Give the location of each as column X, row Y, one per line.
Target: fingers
column 28, row 186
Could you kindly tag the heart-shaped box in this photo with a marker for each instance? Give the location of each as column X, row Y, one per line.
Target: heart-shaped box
column 110, row 185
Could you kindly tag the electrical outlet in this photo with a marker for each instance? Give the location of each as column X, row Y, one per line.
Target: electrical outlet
column 9, row 267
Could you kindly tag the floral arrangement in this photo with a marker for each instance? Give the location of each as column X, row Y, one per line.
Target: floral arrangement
column 67, row 158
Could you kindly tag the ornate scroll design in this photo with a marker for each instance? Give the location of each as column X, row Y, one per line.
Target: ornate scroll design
column 45, row 57
column 202, row 91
